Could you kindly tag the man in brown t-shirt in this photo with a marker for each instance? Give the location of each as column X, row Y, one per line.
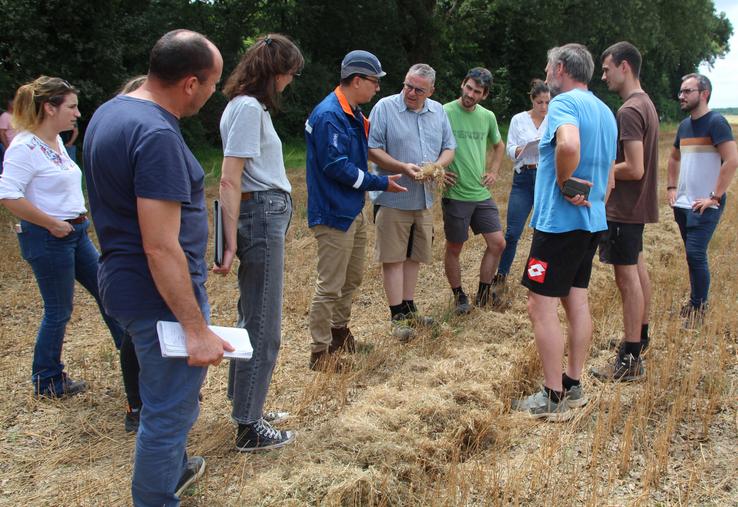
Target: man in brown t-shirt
column 632, row 204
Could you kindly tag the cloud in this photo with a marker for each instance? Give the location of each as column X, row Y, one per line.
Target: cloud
column 724, row 74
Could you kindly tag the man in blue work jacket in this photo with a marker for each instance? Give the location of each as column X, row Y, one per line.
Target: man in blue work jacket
column 337, row 178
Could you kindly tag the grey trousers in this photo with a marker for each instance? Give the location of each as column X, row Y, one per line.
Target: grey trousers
column 262, row 226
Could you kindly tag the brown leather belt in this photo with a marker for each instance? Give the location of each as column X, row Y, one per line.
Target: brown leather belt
column 245, row 196
column 527, row 167
column 79, row 220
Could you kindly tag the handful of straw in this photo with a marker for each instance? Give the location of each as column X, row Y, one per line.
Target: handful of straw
column 431, row 171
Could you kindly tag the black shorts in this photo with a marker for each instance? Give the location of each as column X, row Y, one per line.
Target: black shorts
column 482, row 216
column 559, row 261
column 621, row 244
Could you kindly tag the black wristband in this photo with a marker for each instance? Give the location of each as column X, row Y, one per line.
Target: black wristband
column 670, row 188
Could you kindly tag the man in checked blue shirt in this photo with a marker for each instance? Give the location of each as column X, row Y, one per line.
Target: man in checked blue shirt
column 407, row 129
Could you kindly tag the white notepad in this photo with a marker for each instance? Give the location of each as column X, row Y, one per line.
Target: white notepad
column 530, row 149
column 172, row 340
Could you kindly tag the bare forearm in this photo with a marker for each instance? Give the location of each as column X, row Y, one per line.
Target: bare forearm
column 727, row 172
column 624, row 172
column 26, row 210
column 171, row 276
column 494, row 157
column 447, row 156
column 567, row 152
column 672, row 173
column 385, row 161
column 230, row 201
column 567, row 161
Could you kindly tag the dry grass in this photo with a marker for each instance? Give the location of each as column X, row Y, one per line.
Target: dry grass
column 420, row 424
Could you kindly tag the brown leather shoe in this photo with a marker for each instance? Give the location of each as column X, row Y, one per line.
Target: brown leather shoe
column 326, row 362
column 342, row 340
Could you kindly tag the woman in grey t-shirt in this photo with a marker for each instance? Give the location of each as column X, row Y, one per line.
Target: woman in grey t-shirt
column 257, row 207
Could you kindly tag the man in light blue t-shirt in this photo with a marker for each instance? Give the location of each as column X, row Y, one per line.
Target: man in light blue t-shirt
column 577, row 151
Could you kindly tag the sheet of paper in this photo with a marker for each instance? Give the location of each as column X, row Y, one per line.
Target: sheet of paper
column 172, row 340
column 530, row 149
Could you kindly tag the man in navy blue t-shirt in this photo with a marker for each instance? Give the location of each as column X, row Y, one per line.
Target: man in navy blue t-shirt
column 701, row 166
column 147, row 198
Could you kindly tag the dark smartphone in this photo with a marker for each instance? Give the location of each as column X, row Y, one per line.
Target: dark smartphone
column 573, row 188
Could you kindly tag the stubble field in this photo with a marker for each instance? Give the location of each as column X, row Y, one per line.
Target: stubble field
column 426, row 423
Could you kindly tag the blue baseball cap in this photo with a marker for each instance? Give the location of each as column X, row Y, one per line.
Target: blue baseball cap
column 361, row 62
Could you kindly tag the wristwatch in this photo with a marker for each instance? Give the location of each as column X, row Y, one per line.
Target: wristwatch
column 714, row 197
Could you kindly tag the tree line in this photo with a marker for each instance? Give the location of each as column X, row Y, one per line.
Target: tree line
column 97, row 46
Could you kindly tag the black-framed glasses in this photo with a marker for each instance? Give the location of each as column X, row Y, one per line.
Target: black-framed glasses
column 370, row 79
column 687, row 91
column 418, row 91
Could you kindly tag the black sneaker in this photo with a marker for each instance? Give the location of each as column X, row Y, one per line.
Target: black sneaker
column 195, row 469
column 617, row 344
column 461, row 304
column 624, row 368
column 132, row 420
column 68, row 388
column 276, row 417
column 260, row 436
column 488, row 298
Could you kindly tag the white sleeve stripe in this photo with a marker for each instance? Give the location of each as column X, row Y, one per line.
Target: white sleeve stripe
column 359, row 180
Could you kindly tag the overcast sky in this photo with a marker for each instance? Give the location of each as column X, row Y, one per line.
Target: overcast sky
column 724, row 75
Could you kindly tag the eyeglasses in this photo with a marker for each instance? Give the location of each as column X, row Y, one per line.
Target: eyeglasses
column 687, row 91
column 370, row 79
column 418, row 91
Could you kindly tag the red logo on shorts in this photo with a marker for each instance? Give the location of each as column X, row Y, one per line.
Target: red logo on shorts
column 537, row 270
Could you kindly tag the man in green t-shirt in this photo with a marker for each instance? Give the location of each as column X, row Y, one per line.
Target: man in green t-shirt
column 466, row 199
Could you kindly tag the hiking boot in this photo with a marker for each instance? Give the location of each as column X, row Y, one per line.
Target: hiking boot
column 66, row 388
column 488, row 298
column 539, row 405
column 328, row 363
column 132, row 419
column 418, row 320
column 625, row 368
column 195, row 469
column 499, row 284
column 261, row 436
column 342, row 340
column 402, row 328
column 461, row 304
column 276, row 417
column 617, row 344
column 694, row 316
column 575, row 397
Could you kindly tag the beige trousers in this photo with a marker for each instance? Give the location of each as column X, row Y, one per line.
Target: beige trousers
column 341, row 257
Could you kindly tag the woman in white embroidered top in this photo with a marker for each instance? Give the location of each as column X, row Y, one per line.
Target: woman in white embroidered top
column 522, row 147
column 42, row 186
column 257, row 208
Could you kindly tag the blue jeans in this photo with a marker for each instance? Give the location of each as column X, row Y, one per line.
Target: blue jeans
column 56, row 264
column 169, row 390
column 262, row 226
column 518, row 208
column 696, row 231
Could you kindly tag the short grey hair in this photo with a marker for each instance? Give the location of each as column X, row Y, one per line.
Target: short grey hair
column 423, row 70
column 703, row 83
column 576, row 59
